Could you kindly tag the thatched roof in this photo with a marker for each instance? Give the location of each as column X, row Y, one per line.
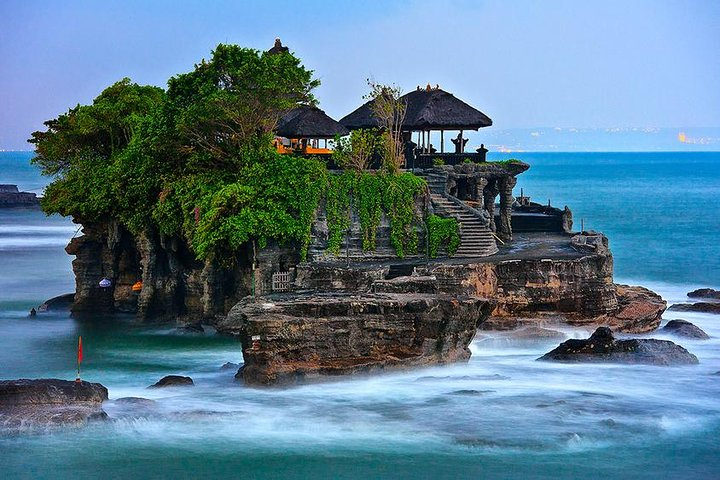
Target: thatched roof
column 427, row 109
column 308, row 122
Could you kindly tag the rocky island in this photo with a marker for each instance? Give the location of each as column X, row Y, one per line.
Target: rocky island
column 11, row 196
column 326, row 247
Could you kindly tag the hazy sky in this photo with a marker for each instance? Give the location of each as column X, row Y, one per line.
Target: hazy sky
column 525, row 63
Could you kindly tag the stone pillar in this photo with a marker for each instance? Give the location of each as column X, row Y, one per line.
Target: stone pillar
column 478, row 187
column 489, row 193
column 506, row 201
column 567, row 220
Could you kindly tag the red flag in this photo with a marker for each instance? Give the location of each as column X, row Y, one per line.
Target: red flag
column 79, row 350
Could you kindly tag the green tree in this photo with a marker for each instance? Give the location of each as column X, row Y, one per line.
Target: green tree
column 356, row 151
column 390, row 111
column 95, row 131
column 231, row 103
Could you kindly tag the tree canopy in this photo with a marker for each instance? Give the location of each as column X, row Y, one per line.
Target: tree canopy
column 196, row 160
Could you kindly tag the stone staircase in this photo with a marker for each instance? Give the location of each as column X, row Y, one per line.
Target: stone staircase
column 476, row 238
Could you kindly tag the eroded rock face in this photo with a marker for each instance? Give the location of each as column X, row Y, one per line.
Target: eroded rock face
column 683, row 328
column 639, row 311
column 308, row 337
column 602, row 347
column 175, row 285
column 46, row 403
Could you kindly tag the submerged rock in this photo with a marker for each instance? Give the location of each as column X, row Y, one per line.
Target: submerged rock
column 683, row 328
column 136, row 401
column 230, row 366
column 535, row 333
column 173, row 381
column 309, row 337
column 705, row 293
column 61, row 302
column 602, row 347
column 191, row 329
column 702, row 307
column 49, row 403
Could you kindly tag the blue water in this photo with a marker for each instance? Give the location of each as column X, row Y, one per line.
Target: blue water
column 502, row 415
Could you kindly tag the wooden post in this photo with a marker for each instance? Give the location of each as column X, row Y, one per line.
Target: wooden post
column 442, row 141
column 462, row 147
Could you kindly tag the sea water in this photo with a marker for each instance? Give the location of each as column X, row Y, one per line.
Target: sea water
column 502, row 415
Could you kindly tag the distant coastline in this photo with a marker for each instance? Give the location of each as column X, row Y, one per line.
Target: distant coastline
column 585, row 139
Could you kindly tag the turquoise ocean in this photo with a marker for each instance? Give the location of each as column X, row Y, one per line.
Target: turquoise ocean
column 502, row 415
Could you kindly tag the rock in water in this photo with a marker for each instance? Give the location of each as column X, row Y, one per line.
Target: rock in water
column 683, row 328
column 305, row 338
column 61, row 302
column 639, row 310
column 191, row 329
column 704, row 293
column 702, row 307
column 51, row 402
column 173, row 381
column 602, row 347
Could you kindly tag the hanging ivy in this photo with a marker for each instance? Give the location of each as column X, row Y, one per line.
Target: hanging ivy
column 338, row 208
column 442, row 232
column 371, row 194
column 399, row 204
column 368, row 203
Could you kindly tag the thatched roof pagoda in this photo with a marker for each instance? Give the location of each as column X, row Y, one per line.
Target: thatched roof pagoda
column 309, row 122
column 427, row 109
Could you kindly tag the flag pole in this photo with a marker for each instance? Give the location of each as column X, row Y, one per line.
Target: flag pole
column 79, row 358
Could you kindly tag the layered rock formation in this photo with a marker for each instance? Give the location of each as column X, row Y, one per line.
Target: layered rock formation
column 302, row 338
column 49, row 402
column 10, row 196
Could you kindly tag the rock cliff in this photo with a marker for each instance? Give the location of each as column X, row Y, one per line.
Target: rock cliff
column 175, row 285
column 299, row 338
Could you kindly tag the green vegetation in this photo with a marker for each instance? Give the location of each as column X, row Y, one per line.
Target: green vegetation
column 197, row 162
column 442, row 231
column 371, row 194
column 505, row 163
column 356, row 151
column 438, row 162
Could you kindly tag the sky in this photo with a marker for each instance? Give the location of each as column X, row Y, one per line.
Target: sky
column 588, row 64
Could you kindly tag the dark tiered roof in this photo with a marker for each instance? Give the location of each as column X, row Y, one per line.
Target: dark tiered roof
column 308, row 122
column 278, row 48
column 427, row 109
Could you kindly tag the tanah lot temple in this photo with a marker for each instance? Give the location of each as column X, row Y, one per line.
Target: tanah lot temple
column 341, row 308
column 462, row 183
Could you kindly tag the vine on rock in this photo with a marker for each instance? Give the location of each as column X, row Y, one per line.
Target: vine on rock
column 442, row 231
